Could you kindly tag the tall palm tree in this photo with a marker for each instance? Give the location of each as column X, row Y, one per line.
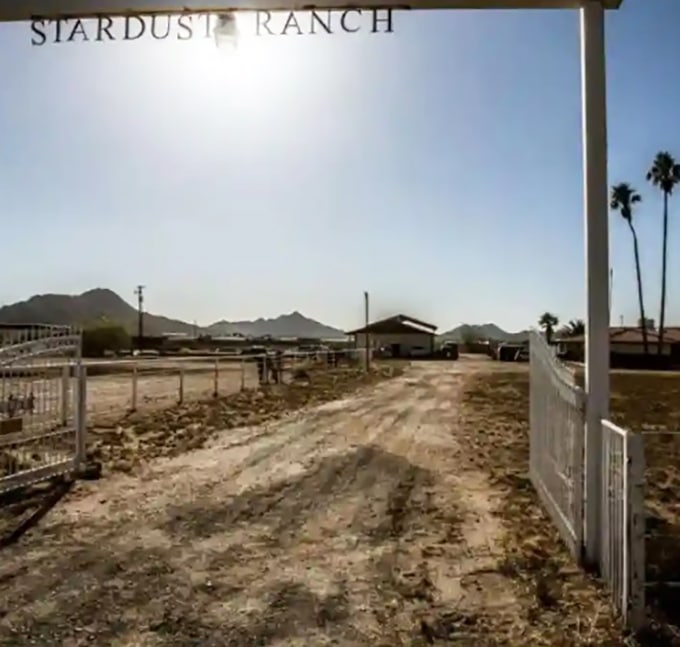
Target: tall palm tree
column 575, row 328
column 664, row 174
column 548, row 322
column 622, row 200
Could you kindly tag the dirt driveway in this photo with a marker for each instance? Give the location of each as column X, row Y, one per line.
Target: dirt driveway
column 360, row 522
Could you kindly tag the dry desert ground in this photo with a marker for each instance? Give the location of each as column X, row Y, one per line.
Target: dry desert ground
column 398, row 514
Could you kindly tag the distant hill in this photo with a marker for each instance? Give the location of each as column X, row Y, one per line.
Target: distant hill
column 294, row 324
column 101, row 305
column 484, row 331
column 89, row 308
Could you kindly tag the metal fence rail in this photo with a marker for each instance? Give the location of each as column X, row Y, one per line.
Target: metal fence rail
column 556, row 424
column 622, row 523
column 144, row 383
column 41, row 390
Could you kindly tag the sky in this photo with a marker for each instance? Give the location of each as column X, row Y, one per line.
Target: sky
column 439, row 167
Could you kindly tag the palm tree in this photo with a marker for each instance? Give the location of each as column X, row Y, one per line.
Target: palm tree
column 548, row 323
column 575, row 328
column 665, row 174
column 622, row 200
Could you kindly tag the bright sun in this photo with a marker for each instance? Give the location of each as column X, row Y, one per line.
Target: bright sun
column 253, row 69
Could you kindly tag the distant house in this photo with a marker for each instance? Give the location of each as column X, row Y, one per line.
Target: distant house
column 399, row 335
column 626, row 346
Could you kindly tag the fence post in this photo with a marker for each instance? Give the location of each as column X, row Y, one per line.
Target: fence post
column 181, row 385
column 81, row 417
column 133, row 406
column 635, row 498
column 65, row 379
column 216, row 378
column 243, row 375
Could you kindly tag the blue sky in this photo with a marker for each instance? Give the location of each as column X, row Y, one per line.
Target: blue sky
column 438, row 167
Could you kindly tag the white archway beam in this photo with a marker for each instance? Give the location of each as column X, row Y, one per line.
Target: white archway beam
column 17, row 10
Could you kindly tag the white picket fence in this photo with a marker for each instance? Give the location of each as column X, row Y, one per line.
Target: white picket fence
column 557, row 467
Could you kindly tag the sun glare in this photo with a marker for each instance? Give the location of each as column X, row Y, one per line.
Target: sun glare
column 248, row 69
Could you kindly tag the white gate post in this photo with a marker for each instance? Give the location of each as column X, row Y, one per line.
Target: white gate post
column 81, row 416
column 65, row 393
column 595, row 197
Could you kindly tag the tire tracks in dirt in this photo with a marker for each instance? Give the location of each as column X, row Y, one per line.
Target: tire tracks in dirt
column 310, row 461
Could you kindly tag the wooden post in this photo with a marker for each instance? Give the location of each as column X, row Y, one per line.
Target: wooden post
column 216, row 378
column 243, row 375
column 181, row 385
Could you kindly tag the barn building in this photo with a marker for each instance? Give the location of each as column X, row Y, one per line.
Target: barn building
column 399, row 336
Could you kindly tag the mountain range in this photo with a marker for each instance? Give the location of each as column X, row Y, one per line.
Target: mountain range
column 101, row 305
column 488, row 331
column 93, row 307
column 294, row 324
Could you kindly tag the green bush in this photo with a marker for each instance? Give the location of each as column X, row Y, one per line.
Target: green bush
column 102, row 339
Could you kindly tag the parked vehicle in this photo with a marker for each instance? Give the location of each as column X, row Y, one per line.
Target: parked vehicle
column 449, row 349
column 419, row 351
column 508, row 352
column 522, row 355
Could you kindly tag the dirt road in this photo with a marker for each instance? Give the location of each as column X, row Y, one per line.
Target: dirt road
column 361, row 522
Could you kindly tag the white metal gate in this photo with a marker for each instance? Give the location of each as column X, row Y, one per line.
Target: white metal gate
column 556, row 422
column 557, row 463
column 622, row 522
column 42, row 404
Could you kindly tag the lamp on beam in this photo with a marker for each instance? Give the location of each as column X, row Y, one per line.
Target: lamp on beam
column 226, row 31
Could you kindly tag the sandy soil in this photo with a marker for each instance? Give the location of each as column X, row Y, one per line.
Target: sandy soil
column 496, row 414
column 361, row 522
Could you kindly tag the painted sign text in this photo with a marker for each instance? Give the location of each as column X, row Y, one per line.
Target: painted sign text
column 187, row 26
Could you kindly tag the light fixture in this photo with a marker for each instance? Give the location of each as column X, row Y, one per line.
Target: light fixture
column 226, row 31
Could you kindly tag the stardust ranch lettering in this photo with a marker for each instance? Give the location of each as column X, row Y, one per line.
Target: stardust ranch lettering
column 201, row 25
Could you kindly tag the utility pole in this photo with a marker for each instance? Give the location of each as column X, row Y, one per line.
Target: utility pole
column 140, row 314
column 368, row 336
